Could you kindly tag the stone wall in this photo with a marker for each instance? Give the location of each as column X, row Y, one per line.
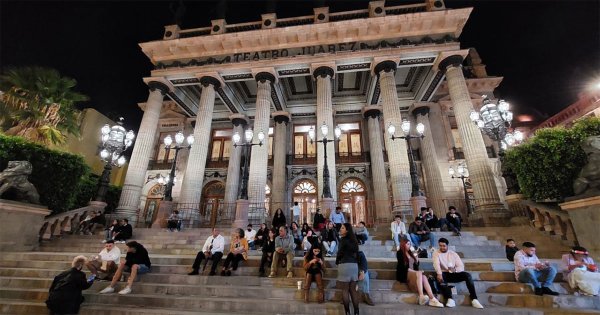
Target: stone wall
column 20, row 225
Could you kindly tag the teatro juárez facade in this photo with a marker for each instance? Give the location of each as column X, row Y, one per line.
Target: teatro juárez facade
column 358, row 70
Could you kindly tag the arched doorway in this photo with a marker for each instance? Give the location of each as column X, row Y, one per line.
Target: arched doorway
column 353, row 200
column 155, row 195
column 212, row 202
column 305, row 193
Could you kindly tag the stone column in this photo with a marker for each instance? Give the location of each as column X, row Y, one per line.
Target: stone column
column 279, row 187
column 323, row 76
column 434, row 182
column 489, row 210
column 397, row 150
column 378, row 175
column 260, row 155
column 191, row 189
column 232, row 186
column 145, row 142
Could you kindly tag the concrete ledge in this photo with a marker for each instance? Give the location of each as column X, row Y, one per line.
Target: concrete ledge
column 20, row 225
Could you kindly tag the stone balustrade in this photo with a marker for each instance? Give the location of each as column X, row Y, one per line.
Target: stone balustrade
column 552, row 219
column 66, row 222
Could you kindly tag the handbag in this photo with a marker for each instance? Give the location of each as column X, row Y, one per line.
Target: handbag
column 434, row 284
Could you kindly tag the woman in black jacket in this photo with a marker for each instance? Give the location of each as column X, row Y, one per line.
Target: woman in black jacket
column 347, row 263
column 407, row 271
column 267, row 252
column 65, row 292
column 278, row 219
column 318, row 221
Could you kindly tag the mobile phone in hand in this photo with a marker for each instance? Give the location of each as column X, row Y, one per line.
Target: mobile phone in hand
column 91, row 278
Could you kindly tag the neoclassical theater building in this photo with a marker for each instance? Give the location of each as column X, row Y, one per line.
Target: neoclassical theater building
column 357, row 70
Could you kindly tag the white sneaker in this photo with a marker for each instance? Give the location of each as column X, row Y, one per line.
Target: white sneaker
column 435, row 303
column 108, row 289
column 450, row 303
column 127, row 290
column 476, row 304
column 423, row 300
column 103, row 241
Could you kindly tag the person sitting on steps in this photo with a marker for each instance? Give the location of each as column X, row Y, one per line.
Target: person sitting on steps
column 124, row 232
column 136, row 261
column 174, row 221
column 261, row 236
column 453, row 220
column 419, row 232
column 106, row 261
column 511, row 249
column 314, row 265
column 364, row 282
column 267, row 252
column 250, row 236
column 529, row 269
column 238, row 251
column 284, row 247
column 362, row 234
column 450, row 269
column 581, row 271
column 330, row 238
column 296, row 234
column 398, row 229
column 213, row 250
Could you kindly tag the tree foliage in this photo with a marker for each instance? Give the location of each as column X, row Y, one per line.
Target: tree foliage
column 547, row 163
column 39, row 105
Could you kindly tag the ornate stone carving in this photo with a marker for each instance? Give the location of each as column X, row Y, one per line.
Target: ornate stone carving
column 14, row 177
column 588, row 181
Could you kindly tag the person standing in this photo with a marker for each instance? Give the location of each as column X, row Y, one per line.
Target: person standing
column 65, row 292
column 450, row 269
column 318, row 221
column 213, row 250
column 314, row 265
column 337, row 218
column 278, row 220
column 295, row 212
column 347, row 263
column 136, row 261
column 529, row 269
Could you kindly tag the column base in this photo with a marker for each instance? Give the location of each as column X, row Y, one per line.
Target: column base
column 327, row 206
column 164, row 210
column 490, row 215
column 241, row 213
column 417, row 202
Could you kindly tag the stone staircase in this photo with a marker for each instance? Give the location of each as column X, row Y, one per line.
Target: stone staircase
column 26, row 276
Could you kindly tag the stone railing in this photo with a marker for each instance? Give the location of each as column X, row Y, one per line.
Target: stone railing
column 67, row 222
column 550, row 218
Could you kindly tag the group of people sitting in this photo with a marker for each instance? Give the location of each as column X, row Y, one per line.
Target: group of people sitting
column 119, row 231
column 92, row 220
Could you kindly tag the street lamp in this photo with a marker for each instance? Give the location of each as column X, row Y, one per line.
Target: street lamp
column 463, row 173
column 248, row 136
column 168, row 141
column 416, row 189
column 115, row 140
column 324, row 141
column 495, row 120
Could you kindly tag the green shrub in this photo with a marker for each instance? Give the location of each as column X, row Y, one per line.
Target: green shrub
column 547, row 163
column 87, row 189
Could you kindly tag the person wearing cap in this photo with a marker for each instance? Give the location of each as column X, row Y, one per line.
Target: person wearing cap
column 529, row 269
column 581, row 272
column 419, row 232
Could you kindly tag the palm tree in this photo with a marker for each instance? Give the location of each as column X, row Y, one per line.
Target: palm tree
column 38, row 104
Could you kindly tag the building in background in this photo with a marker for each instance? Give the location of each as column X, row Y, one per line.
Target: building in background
column 588, row 104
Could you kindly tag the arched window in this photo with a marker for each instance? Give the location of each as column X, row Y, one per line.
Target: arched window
column 351, row 186
column 305, row 188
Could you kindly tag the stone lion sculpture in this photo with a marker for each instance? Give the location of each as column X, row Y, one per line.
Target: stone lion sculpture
column 14, row 177
column 589, row 178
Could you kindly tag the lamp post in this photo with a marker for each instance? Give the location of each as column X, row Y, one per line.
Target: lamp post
column 248, row 135
column 494, row 120
column 115, row 140
column 168, row 141
column 324, row 141
column 416, row 189
column 463, row 173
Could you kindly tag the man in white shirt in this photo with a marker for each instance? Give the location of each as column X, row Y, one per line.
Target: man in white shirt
column 249, row 234
column 398, row 230
column 450, row 269
column 106, row 262
column 296, row 213
column 529, row 269
column 212, row 249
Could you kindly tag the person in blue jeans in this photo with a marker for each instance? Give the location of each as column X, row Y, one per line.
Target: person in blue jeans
column 419, row 232
column 363, row 278
column 529, row 269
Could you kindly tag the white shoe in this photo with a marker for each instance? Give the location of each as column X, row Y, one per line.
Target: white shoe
column 103, row 241
column 476, row 304
column 423, row 300
column 435, row 303
column 127, row 290
column 108, row 289
column 450, row 303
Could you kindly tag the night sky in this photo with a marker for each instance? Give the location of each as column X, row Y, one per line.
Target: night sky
column 547, row 51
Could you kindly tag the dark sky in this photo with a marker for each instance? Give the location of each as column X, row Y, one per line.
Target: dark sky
column 547, row 51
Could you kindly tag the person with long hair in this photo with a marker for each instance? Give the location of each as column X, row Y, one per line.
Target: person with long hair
column 267, row 252
column 347, row 263
column 314, row 265
column 278, row 219
column 304, row 229
column 581, row 271
column 330, row 238
column 310, row 240
column 407, row 271
column 296, row 234
column 238, row 251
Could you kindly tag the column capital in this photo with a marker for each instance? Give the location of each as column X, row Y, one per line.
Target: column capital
column 371, row 111
column 323, row 72
column 281, row 117
column 206, row 81
column 158, row 83
column 450, row 61
column 386, row 66
column 239, row 119
column 264, row 74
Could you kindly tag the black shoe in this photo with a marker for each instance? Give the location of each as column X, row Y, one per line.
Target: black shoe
column 538, row 291
column 228, row 273
column 548, row 291
column 193, row 273
column 212, row 273
column 222, row 272
column 457, row 233
column 261, row 274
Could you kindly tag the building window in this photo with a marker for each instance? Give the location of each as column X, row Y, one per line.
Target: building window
column 165, row 155
column 221, row 145
column 350, row 141
column 302, row 146
column 305, row 188
column 352, row 186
